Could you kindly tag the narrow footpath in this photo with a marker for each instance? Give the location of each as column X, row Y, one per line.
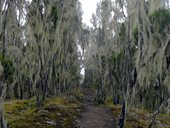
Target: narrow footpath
column 95, row 116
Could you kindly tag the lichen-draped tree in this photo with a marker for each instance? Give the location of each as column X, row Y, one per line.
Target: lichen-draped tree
column 155, row 39
column 84, row 41
column 53, row 31
column 99, row 39
column 151, row 56
column 12, row 40
column 103, row 49
column 138, row 70
column 3, row 81
column 3, row 123
column 39, row 39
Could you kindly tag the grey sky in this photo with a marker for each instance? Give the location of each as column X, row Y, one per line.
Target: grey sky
column 89, row 7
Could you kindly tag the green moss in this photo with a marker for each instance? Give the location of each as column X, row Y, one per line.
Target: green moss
column 77, row 93
column 109, row 100
column 58, row 112
column 139, row 118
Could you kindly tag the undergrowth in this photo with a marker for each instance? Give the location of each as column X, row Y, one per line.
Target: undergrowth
column 58, row 112
column 140, row 118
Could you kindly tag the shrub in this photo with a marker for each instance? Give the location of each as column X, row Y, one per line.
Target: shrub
column 8, row 68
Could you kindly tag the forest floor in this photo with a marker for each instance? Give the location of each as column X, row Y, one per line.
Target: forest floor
column 107, row 115
column 94, row 116
column 80, row 112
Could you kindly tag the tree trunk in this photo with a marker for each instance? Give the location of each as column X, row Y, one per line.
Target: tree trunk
column 121, row 123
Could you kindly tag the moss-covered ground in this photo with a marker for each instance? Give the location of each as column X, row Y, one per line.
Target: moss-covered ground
column 140, row 118
column 59, row 112
column 62, row 112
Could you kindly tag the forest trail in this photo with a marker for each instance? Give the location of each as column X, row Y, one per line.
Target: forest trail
column 95, row 116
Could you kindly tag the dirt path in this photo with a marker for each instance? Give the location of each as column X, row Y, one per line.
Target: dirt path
column 94, row 116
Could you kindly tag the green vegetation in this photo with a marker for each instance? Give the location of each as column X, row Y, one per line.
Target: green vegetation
column 57, row 112
column 45, row 46
column 140, row 118
column 117, row 57
column 54, row 16
column 135, row 36
column 160, row 20
column 8, row 68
